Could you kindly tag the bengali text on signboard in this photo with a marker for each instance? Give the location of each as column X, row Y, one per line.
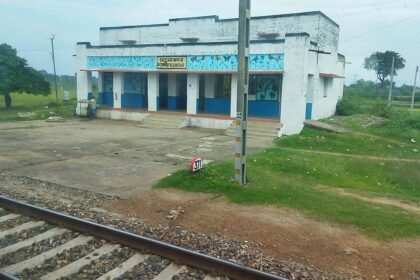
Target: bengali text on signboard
column 171, row 62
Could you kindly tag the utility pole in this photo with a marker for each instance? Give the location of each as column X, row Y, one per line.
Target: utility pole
column 414, row 90
column 55, row 75
column 242, row 96
column 392, row 81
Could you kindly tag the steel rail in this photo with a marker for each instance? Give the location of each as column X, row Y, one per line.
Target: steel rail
column 177, row 254
column 6, row 276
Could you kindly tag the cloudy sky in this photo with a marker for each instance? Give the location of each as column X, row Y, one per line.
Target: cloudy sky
column 366, row 25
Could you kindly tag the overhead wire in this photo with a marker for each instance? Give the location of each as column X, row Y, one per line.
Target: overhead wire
column 380, row 29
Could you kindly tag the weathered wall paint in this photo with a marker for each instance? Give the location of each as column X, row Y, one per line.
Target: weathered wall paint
column 260, row 62
column 212, row 29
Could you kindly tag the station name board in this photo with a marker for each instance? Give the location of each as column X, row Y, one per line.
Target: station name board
column 171, row 62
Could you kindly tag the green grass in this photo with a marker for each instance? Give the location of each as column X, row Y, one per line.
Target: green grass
column 387, row 131
column 306, row 181
column 40, row 105
column 353, row 143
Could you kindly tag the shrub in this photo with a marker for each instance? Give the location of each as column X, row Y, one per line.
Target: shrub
column 381, row 109
column 348, row 105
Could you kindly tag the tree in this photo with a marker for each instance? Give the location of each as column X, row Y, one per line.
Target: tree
column 381, row 63
column 17, row 76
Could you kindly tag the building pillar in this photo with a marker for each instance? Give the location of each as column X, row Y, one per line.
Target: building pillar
column 295, row 83
column 193, row 85
column 153, row 91
column 84, row 90
column 233, row 95
column 84, row 84
column 118, row 85
column 172, row 92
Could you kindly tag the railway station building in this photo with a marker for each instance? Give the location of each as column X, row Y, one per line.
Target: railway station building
column 187, row 67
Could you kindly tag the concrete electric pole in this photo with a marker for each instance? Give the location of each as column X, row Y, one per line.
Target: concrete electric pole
column 414, row 89
column 392, row 82
column 55, row 75
column 242, row 97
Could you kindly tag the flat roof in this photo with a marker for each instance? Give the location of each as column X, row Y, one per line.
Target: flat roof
column 89, row 46
column 216, row 19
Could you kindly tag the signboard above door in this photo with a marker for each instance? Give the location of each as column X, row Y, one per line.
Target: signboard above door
column 171, row 62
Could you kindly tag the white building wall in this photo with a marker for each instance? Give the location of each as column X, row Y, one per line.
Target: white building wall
column 295, row 81
column 211, row 29
column 261, row 48
column 325, row 106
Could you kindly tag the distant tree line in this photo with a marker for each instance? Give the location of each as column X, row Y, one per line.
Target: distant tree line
column 65, row 82
column 17, row 76
column 365, row 88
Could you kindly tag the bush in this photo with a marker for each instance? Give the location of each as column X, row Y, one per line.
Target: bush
column 403, row 119
column 407, row 98
column 348, row 105
column 381, row 109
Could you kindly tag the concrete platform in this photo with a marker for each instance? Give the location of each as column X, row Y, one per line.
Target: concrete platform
column 106, row 156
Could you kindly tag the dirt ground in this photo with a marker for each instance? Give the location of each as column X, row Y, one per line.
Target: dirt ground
column 111, row 157
column 283, row 233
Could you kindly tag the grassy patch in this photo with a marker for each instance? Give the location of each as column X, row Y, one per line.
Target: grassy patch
column 380, row 128
column 274, row 186
column 297, row 179
column 353, row 143
column 40, row 107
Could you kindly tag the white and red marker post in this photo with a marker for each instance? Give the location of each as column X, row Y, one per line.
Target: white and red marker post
column 196, row 165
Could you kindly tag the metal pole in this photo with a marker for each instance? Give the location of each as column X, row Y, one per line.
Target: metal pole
column 392, row 82
column 242, row 96
column 414, row 90
column 55, row 75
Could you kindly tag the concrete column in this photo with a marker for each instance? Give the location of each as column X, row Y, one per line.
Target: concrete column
column 153, row 91
column 295, row 82
column 209, row 86
column 233, row 95
column 100, row 81
column 118, row 84
column 82, row 76
column 84, row 84
column 172, row 92
column 84, row 87
column 193, row 85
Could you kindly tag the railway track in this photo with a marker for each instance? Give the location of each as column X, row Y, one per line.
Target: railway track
column 37, row 243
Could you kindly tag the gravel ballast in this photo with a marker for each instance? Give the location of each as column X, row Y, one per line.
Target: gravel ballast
column 87, row 205
column 61, row 260
column 36, row 249
column 24, row 234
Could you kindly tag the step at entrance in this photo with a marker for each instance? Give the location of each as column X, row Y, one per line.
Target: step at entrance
column 163, row 121
column 258, row 130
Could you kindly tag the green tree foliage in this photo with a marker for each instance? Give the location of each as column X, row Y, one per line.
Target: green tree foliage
column 17, row 76
column 381, row 63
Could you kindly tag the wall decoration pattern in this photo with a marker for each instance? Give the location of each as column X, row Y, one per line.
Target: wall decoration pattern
column 229, row 63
